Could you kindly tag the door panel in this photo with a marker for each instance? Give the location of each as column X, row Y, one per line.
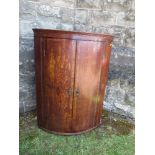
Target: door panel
column 87, row 81
column 59, row 62
column 103, row 78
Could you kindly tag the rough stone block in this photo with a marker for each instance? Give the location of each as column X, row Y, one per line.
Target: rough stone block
column 101, row 29
column 27, row 97
column 26, row 75
column 129, row 40
column 116, row 5
column 126, row 18
column 21, row 106
column 82, row 28
column 26, row 26
column 102, row 18
column 82, row 16
column 47, row 24
column 26, row 57
column 130, row 15
column 63, row 3
column 133, row 5
column 27, row 67
column 45, row 9
column 89, row 4
column 27, row 10
column 67, row 15
column 123, row 51
column 120, row 95
column 48, row 14
column 119, row 33
column 67, row 27
column 59, row 3
column 122, row 60
column 122, row 72
column 26, row 44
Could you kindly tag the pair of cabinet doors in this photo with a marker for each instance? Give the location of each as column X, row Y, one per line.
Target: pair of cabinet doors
column 71, row 77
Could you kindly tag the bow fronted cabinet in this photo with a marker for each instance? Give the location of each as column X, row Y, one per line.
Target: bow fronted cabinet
column 71, row 75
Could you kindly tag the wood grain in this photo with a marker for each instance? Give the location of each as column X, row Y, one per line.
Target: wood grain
column 87, row 78
column 58, row 80
column 71, row 75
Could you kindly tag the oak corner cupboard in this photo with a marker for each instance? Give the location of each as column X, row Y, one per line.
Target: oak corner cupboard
column 71, row 74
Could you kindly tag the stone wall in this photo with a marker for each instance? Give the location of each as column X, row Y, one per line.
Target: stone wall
column 102, row 16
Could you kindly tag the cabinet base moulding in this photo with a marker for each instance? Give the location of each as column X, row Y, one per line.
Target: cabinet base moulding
column 71, row 133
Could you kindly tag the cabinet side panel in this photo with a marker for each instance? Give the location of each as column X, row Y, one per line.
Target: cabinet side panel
column 103, row 78
column 59, row 59
column 38, row 46
column 87, row 80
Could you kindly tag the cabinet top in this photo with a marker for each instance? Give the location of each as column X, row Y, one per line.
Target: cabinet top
column 72, row 35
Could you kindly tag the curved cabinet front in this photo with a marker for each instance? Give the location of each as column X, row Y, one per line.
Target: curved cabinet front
column 71, row 75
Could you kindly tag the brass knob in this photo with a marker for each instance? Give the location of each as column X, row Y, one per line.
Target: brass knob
column 77, row 92
column 70, row 91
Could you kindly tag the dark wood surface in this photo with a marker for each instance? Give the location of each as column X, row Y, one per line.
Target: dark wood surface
column 87, row 77
column 72, row 35
column 71, row 75
column 58, row 82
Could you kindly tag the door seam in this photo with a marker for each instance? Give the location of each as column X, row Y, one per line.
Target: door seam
column 73, row 97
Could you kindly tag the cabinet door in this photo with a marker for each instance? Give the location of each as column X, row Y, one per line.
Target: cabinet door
column 59, row 62
column 87, row 84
